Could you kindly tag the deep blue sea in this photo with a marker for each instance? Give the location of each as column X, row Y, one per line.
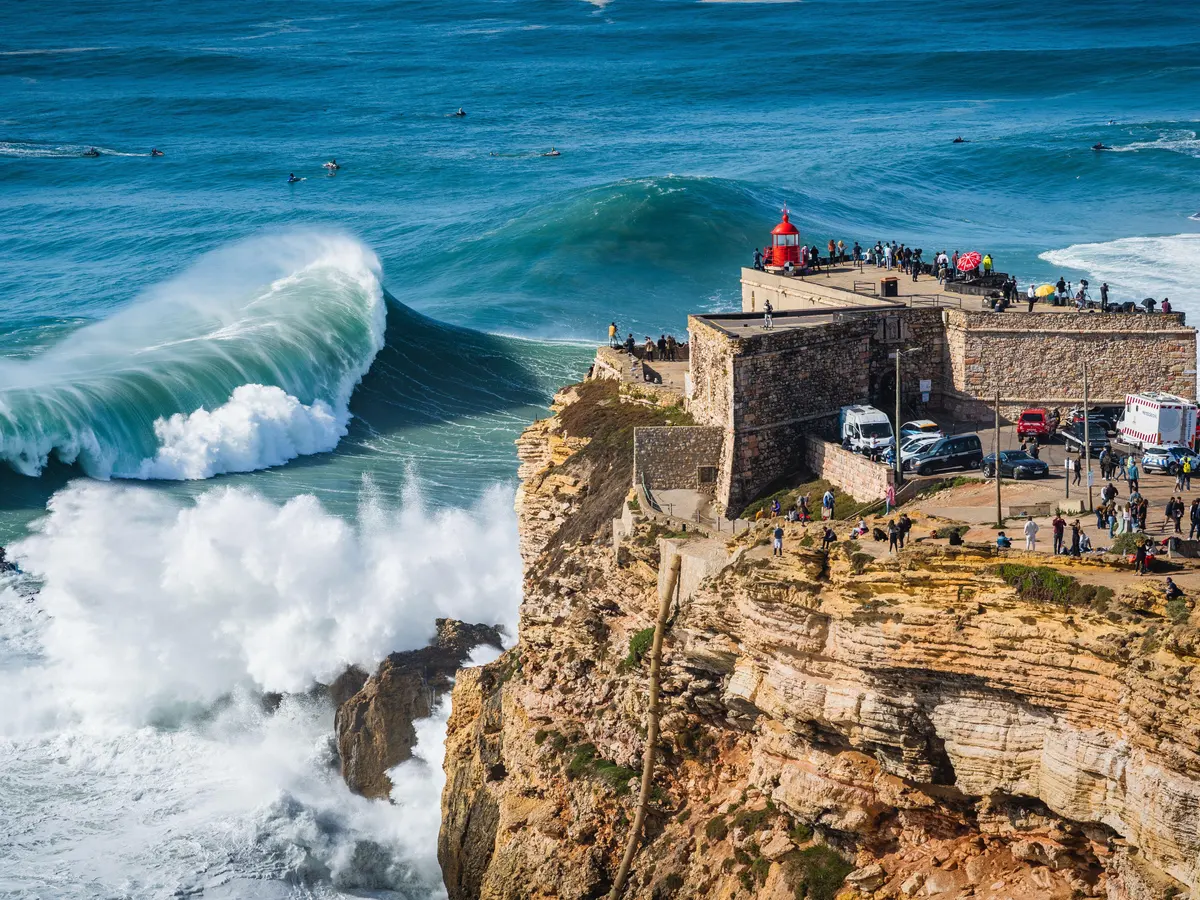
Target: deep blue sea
column 252, row 431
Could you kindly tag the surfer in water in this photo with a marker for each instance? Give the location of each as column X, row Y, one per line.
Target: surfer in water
column 1101, row 146
column 959, row 140
column 332, row 166
column 155, row 152
column 552, row 152
column 292, row 179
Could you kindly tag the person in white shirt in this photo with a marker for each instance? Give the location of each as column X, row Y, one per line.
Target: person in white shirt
column 1031, row 530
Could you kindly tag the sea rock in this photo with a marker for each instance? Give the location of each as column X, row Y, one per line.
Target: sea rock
column 374, row 723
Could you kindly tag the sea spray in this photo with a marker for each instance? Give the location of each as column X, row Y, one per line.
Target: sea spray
column 301, row 312
column 137, row 671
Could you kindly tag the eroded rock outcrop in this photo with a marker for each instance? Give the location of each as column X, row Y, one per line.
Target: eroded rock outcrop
column 915, row 723
column 375, row 715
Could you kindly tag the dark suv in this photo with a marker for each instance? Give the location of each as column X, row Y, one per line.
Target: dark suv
column 962, row 451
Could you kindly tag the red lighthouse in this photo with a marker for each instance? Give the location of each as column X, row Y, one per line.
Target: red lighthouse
column 785, row 243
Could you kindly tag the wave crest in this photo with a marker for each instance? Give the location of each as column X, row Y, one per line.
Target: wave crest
column 244, row 361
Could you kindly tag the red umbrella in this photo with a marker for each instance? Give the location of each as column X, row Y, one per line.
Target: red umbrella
column 969, row 261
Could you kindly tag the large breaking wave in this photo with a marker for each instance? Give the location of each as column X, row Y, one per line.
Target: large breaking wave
column 246, row 360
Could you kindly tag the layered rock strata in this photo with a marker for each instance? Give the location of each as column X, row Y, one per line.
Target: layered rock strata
column 913, row 722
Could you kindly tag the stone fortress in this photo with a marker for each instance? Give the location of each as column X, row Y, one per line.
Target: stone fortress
column 766, row 399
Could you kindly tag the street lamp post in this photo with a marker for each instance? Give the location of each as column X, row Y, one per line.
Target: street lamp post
column 896, row 355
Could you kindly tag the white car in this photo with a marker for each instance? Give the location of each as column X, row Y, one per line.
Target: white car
column 911, row 447
column 920, row 427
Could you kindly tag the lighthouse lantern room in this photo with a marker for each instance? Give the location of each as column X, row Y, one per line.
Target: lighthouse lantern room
column 785, row 243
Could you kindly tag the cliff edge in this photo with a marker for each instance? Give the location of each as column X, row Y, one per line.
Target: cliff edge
column 938, row 723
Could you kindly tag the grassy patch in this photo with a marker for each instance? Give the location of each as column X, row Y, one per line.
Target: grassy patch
column 1177, row 610
column 640, row 643
column 717, row 829
column 844, row 506
column 1046, row 585
column 752, row 820
column 800, row 834
column 946, row 531
column 1128, row 542
column 600, row 415
column 586, row 762
column 818, row 873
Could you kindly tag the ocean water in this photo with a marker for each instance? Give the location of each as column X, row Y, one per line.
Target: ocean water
column 252, row 431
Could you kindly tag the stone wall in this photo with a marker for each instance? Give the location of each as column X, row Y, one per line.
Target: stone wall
column 1037, row 359
column 669, row 458
column 792, row 292
column 852, row 472
column 771, row 388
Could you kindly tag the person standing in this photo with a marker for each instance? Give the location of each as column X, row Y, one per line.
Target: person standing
column 1186, row 470
column 827, row 504
column 1139, row 559
column 1059, row 525
column 672, row 346
column 987, row 264
column 757, row 258
column 1132, row 474
column 662, row 347
column 1031, row 530
column 893, row 531
column 1077, row 469
column 1194, row 518
column 1031, row 297
column 841, row 251
column 856, row 256
column 887, row 256
column 905, row 526
column 832, row 248
column 648, row 349
column 777, row 548
column 1104, row 297
column 889, row 499
column 1177, row 515
column 612, row 334
column 767, row 310
column 1076, row 528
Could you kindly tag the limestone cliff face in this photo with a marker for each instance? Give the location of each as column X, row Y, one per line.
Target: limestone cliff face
column 941, row 732
column 375, row 715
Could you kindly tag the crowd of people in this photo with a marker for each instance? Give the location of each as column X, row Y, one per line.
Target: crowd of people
column 665, row 349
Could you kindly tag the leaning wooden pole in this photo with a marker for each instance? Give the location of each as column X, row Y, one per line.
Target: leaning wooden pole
column 665, row 595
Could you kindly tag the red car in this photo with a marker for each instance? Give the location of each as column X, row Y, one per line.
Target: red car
column 1037, row 422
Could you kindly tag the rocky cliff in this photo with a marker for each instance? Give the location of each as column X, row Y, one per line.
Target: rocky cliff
column 375, row 715
column 928, row 724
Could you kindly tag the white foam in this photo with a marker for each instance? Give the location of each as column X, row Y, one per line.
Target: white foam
column 156, row 605
column 132, row 724
column 1138, row 267
column 1175, row 141
column 259, row 427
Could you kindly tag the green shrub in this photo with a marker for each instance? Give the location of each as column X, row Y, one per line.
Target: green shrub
column 673, row 882
column 586, row 762
column 800, row 834
column 760, row 868
column 752, row 820
column 1177, row 610
column 581, row 761
column 639, row 645
column 947, row 530
column 540, row 737
column 1046, row 585
column 716, row 829
column 1128, row 542
column 819, row 873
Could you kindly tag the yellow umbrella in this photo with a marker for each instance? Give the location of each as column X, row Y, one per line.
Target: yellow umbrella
column 1046, row 290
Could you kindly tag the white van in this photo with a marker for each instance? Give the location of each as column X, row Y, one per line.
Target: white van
column 865, row 429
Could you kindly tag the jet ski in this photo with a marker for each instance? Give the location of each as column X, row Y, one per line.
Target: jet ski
column 958, row 140
column 156, row 152
column 92, row 152
column 1101, row 146
column 460, row 114
column 552, row 152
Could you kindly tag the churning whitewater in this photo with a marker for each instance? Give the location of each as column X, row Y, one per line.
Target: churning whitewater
column 136, row 755
column 246, row 360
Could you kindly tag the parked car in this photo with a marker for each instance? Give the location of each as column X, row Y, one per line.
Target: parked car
column 1073, row 439
column 1095, row 420
column 910, row 447
column 1015, row 464
column 962, row 451
column 921, row 427
column 1169, row 459
column 1037, row 422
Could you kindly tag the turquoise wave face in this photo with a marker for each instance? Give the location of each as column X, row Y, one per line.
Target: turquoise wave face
column 256, row 346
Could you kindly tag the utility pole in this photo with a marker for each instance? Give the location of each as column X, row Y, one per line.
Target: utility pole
column 896, row 437
column 1087, row 443
column 996, row 457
